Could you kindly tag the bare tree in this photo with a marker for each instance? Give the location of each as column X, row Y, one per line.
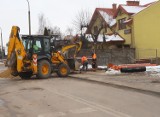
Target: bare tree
column 82, row 19
column 46, row 28
column 69, row 31
column 99, row 29
column 55, row 30
column 42, row 23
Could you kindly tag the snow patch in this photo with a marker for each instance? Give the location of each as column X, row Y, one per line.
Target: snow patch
column 108, row 18
column 153, row 68
column 102, row 67
column 112, row 71
column 133, row 9
column 107, row 38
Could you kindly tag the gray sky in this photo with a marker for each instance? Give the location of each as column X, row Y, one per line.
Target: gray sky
column 58, row 12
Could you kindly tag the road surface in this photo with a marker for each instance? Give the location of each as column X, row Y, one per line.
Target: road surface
column 66, row 97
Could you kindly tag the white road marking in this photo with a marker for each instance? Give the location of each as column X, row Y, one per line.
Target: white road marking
column 74, row 111
column 82, row 110
column 54, row 114
column 102, row 108
column 1, row 102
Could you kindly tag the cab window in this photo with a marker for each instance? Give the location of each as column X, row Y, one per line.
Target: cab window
column 37, row 47
column 46, row 45
column 27, row 44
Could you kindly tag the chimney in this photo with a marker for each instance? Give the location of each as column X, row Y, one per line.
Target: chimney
column 114, row 6
column 132, row 3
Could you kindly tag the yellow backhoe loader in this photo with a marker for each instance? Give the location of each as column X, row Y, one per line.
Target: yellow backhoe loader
column 34, row 55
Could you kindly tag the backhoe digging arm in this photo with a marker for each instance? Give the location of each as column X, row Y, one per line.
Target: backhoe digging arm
column 16, row 51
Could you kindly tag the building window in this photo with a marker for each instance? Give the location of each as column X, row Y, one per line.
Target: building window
column 121, row 25
column 127, row 31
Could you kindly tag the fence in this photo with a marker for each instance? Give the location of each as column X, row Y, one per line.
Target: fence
column 114, row 56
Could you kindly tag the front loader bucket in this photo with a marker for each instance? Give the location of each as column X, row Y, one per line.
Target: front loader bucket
column 73, row 64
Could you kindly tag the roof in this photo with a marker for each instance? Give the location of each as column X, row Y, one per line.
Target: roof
column 98, row 11
column 108, row 14
column 108, row 18
column 148, row 4
column 129, row 9
column 109, row 11
column 108, row 38
column 132, row 9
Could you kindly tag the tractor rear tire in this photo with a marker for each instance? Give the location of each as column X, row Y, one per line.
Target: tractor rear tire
column 25, row 75
column 44, row 69
column 63, row 70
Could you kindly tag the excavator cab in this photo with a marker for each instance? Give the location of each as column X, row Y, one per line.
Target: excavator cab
column 39, row 45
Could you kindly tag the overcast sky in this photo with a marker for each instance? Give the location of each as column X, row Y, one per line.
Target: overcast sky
column 58, row 12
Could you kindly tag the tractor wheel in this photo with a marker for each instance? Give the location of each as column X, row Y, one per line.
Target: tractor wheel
column 25, row 75
column 63, row 70
column 44, row 69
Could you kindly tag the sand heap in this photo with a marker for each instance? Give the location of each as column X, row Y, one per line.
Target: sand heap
column 6, row 74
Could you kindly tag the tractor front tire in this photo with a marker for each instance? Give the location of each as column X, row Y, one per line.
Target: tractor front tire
column 44, row 69
column 63, row 70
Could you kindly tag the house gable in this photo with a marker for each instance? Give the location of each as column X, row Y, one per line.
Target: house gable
column 124, row 16
column 99, row 17
column 122, row 28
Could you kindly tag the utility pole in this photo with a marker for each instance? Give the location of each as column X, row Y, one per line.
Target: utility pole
column 29, row 18
column 1, row 43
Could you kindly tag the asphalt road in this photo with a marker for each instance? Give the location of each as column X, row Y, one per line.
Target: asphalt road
column 65, row 97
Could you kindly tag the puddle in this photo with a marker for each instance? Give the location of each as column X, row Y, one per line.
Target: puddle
column 155, row 81
column 32, row 88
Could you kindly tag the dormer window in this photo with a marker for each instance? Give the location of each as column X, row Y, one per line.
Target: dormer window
column 121, row 24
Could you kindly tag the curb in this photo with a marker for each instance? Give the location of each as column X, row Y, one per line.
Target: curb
column 147, row 92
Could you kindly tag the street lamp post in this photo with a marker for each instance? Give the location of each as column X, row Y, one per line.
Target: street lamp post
column 29, row 18
column 1, row 43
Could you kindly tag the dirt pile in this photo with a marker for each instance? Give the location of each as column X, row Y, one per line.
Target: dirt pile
column 6, row 74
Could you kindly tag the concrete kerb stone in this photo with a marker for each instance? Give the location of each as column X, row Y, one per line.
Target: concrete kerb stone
column 114, row 84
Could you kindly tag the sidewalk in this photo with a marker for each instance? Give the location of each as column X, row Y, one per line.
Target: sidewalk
column 143, row 81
